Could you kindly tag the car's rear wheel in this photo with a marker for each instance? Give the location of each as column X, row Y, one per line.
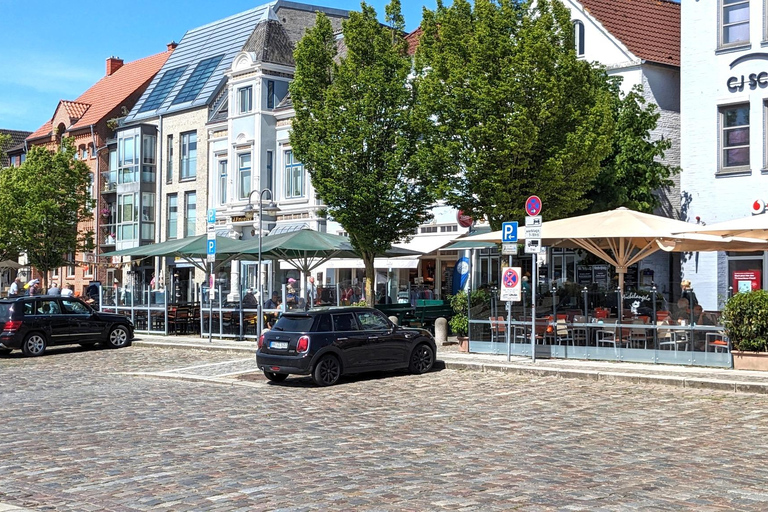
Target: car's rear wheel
column 327, row 371
column 422, row 359
column 34, row 345
column 275, row 377
column 118, row 337
column 5, row 351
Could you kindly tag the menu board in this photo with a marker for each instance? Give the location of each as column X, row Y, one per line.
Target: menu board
column 601, row 275
column 630, row 278
column 583, row 275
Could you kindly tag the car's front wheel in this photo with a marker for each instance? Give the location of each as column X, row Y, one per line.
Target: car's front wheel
column 327, row 371
column 422, row 359
column 275, row 377
column 118, row 337
column 34, row 345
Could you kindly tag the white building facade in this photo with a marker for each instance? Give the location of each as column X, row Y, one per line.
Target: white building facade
column 724, row 111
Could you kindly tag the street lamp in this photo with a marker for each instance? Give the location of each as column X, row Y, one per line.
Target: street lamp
column 271, row 208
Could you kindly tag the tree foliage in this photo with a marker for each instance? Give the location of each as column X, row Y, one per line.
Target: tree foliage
column 41, row 204
column 357, row 130
column 633, row 173
column 516, row 112
column 5, row 139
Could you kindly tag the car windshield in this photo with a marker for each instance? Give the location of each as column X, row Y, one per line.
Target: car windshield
column 294, row 323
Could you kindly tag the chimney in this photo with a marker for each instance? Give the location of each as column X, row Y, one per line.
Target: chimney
column 113, row 64
column 172, row 46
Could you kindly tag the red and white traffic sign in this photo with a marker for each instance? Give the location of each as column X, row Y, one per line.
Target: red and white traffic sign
column 533, row 206
column 510, row 284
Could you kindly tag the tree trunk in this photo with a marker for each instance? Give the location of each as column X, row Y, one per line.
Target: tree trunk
column 370, row 279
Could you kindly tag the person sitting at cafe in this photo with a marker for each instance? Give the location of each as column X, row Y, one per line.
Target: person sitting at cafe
column 249, row 299
column 274, row 302
column 682, row 311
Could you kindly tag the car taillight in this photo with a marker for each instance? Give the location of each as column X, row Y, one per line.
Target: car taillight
column 261, row 341
column 303, row 344
column 12, row 325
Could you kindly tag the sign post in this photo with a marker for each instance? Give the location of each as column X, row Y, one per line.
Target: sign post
column 533, row 207
column 211, row 252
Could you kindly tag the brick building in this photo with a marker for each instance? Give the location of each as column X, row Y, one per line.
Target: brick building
column 11, row 153
column 90, row 120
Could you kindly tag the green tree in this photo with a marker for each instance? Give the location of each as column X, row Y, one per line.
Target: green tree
column 5, row 140
column 357, row 131
column 633, row 174
column 516, row 113
column 41, row 204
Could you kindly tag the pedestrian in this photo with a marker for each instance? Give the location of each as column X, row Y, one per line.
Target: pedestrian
column 311, row 292
column 274, row 302
column 54, row 289
column 249, row 299
column 67, row 290
column 34, row 289
column 688, row 293
column 16, row 286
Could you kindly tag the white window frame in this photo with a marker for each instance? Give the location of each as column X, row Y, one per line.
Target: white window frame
column 190, row 230
column 243, row 194
column 726, row 4
column 245, row 99
column 722, row 168
column 223, row 178
column 290, row 168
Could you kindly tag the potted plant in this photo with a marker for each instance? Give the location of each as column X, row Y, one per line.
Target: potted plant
column 745, row 318
column 460, row 321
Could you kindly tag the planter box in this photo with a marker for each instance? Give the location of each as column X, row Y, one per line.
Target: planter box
column 750, row 360
column 463, row 343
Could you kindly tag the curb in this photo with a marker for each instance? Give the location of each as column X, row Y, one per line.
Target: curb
column 635, row 378
column 212, row 347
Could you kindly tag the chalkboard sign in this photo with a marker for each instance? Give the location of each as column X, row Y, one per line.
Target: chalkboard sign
column 600, row 273
column 584, row 275
column 630, row 279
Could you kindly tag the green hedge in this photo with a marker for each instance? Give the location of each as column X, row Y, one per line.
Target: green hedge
column 745, row 318
column 459, row 321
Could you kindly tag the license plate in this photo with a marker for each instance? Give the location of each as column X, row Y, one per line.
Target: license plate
column 279, row 345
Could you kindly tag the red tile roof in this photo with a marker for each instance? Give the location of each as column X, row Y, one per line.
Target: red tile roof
column 108, row 93
column 648, row 28
column 413, row 40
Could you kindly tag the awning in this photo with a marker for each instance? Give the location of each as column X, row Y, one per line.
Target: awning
column 466, row 244
column 409, row 262
column 287, row 228
column 428, row 243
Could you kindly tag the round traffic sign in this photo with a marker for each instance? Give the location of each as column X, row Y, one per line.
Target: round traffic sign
column 510, row 278
column 533, row 206
column 463, row 219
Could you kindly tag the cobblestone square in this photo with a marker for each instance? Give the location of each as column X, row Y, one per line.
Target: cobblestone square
column 82, row 431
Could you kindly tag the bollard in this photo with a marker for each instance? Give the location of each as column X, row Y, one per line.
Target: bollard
column 441, row 331
column 394, row 320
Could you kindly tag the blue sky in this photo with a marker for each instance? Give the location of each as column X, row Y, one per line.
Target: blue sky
column 51, row 51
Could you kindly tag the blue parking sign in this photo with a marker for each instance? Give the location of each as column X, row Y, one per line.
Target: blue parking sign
column 509, row 232
column 211, row 246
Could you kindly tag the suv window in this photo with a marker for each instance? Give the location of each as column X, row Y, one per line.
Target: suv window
column 74, row 307
column 28, row 307
column 294, row 323
column 48, row 307
column 324, row 324
column 344, row 322
column 372, row 321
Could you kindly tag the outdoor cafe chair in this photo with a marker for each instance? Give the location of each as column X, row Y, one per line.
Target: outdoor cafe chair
column 669, row 338
column 579, row 335
column 608, row 335
column 636, row 335
column 498, row 328
column 718, row 341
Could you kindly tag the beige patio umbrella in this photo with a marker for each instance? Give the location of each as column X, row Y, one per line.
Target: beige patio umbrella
column 755, row 226
column 622, row 237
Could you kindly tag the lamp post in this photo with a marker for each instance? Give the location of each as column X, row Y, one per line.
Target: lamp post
column 270, row 208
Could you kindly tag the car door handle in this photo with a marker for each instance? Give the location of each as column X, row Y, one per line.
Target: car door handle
column 341, row 339
column 373, row 337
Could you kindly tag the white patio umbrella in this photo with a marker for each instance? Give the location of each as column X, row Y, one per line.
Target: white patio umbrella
column 622, row 237
column 755, row 226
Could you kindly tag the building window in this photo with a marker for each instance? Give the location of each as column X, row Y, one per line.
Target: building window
column 55, row 273
column 190, row 213
column 161, row 90
column 270, row 94
column 88, row 270
column 294, row 176
column 734, row 121
column 147, row 215
column 173, row 216
column 222, row 182
column 269, row 171
column 429, row 229
column 148, row 149
column 197, row 80
column 578, row 37
column 127, row 217
column 169, row 158
column 71, row 268
column 127, row 159
column 244, row 100
column 734, row 20
column 244, row 175
column 188, row 155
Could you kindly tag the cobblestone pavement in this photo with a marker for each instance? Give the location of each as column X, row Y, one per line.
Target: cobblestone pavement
column 82, row 432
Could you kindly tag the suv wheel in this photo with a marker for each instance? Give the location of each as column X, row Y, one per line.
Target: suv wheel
column 275, row 377
column 327, row 371
column 118, row 337
column 34, row 345
column 422, row 359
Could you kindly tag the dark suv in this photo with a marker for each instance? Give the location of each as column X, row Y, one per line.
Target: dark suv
column 329, row 342
column 33, row 323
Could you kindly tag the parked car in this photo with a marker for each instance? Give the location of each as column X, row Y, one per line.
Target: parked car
column 330, row 342
column 32, row 324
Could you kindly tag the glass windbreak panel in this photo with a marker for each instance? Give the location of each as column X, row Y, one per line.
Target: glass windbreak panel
column 244, row 175
column 735, row 21
column 197, row 80
column 736, row 136
column 295, row 323
column 173, row 216
column 161, row 90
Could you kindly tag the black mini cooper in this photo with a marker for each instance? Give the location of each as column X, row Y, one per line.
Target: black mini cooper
column 34, row 323
column 330, row 342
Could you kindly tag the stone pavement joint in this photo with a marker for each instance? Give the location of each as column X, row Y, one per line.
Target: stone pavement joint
column 634, row 373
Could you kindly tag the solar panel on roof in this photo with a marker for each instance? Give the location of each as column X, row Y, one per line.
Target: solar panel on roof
column 162, row 89
column 197, row 80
